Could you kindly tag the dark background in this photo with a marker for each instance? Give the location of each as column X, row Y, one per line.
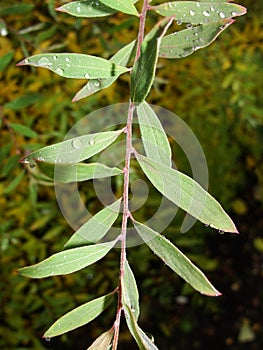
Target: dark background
column 216, row 91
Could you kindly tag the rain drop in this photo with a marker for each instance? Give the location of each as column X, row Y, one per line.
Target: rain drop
column 47, row 339
column 77, row 144
column 197, row 4
column 179, row 22
column 55, row 57
column 206, row 13
column 192, row 13
column 67, row 59
column 59, row 71
column 44, row 62
column 222, row 15
column 212, row 8
column 3, row 32
column 91, row 142
column 32, row 165
column 78, row 9
column 87, row 76
column 233, row 13
column 221, row 231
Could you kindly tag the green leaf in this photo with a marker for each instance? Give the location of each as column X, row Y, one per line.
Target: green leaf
column 14, row 183
column 122, row 57
column 68, row 261
column 187, row 41
column 125, row 6
column 176, row 260
column 5, row 60
column 144, row 343
column 195, row 12
column 143, row 71
column 74, row 150
column 22, row 102
column 75, row 65
column 96, row 227
column 130, row 291
column 80, row 316
column 103, row 341
column 154, row 139
column 66, row 173
column 16, row 9
column 187, row 194
column 23, row 130
column 88, row 9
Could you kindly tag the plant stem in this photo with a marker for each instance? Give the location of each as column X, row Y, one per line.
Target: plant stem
column 126, row 171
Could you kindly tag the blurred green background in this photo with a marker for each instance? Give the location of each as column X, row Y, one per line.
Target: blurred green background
column 216, row 91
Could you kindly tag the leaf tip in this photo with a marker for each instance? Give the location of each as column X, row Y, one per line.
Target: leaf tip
column 22, row 63
column 60, row 9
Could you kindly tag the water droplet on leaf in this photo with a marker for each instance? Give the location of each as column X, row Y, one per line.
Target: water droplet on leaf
column 47, row 339
column 87, row 76
column 206, row 13
column 233, row 13
column 77, row 144
column 179, row 22
column 44, row 62
column 222, row 15
column 59, row 71
column 192, row 13
column 78, row 9
column 91, row 142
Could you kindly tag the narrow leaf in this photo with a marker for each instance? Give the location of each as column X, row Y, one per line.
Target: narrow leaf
column 125, row 6
column 143, row 71
column 143, row 342
column 6, row 59
column 23, row 130
column 88, row 9
column 187, row 194
column 16, row 9
column 103, row 341
column 130, row 291
column 96, row 227
column 122, row 57
column 154, row 139
column 66, row 173
column 68, row 261
column 75, row 65
column 80, row 316
column 74, row 150
column 22, row 102
column 176, row 260
column 187, row 41
column 195, row 12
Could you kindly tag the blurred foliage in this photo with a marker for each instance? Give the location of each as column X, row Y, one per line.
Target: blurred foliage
column 217, row 92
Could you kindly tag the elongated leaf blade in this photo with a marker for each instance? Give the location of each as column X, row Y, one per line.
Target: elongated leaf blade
column 187, row 194
column 195, row 12
column 23, row 130
column 75, row 65
column 122, row 57
column 80, row 316
column 130, row 291
column 67, row 261
column 103, row 341
column 185, row 42
column 96, row 227
column 176, row 260
column 66, row 173
column 88, row 9
column 74, row 150
column 143, row 342
column 125, row 6
column 143, row 71
column 154, row 139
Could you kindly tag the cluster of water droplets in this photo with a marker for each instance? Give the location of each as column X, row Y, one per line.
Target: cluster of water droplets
column 90, row 6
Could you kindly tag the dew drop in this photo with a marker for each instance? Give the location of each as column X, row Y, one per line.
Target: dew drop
column 179, row 22
column 97, row 84
column 197, row 4
column 3, row 32
column 26, row 61
column 206, row 13
column 192, row 13
column 44, row 62
column 91, row 142
column 221, row 232
column 77, row 144
column 67, row 59
column 233, row 13
column 55, row 57
column 189, row 26
column 59, row 71
column 32, row 165
column 78, row 9
column 212, row 8
column 87, row 76
column 47, row 339
column 222, row 15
